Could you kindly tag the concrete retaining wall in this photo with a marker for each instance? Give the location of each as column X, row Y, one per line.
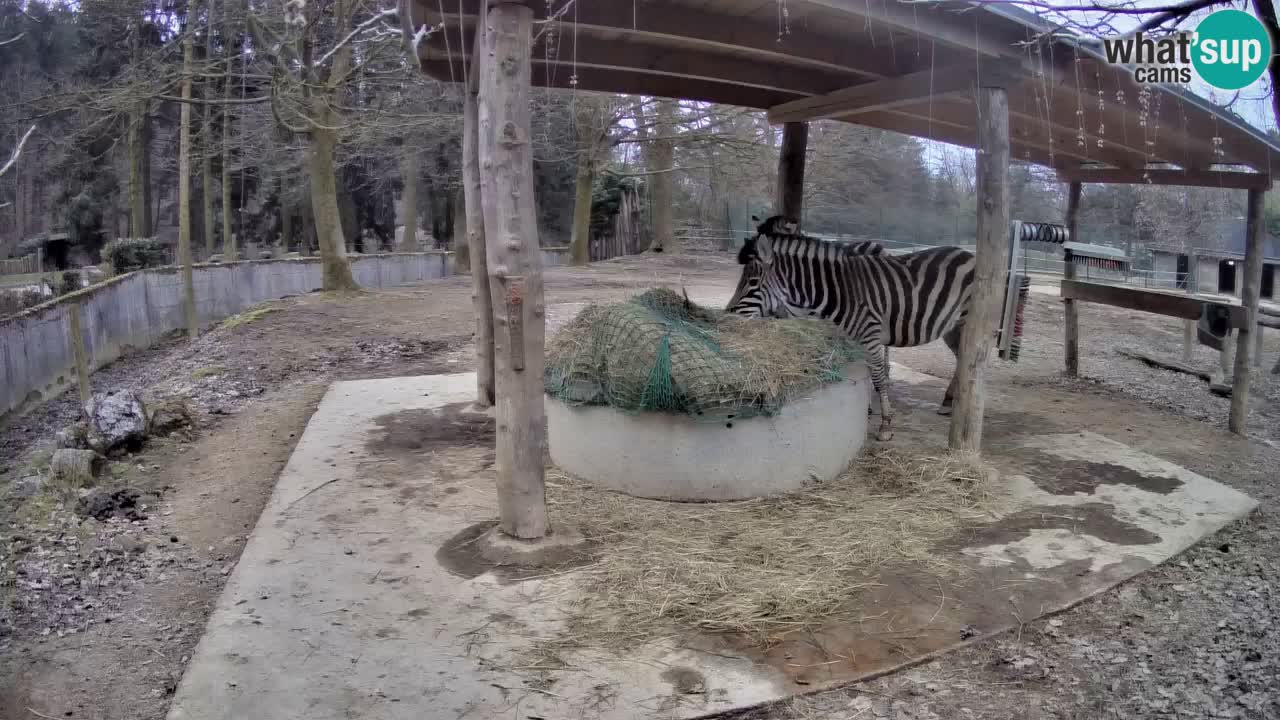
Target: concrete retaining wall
column 137, row 309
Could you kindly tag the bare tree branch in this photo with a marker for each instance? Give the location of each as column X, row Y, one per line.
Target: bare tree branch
column 17, row 151
column 13, row 39
column 357, row 31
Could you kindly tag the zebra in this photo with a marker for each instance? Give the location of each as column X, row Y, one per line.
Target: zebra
column 780, row 226
column 880, row 300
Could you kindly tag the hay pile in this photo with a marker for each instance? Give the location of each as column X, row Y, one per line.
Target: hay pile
column 766, row 566
column 661, row 352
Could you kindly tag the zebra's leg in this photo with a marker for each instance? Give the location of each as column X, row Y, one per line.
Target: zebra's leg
column 877, row 360
column 952, row 339
column 871, row 407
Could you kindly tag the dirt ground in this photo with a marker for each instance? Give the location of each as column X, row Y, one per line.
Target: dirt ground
column 99, row 616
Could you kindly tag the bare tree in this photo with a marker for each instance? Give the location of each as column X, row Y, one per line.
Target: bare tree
column 315, row 108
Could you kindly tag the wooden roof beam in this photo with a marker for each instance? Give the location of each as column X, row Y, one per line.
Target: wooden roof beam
column 690, row 27
column 628, row 82
column 635, row 56
column 889, row 93
column 1066, row 140
column 1226, row 179
column 957, row 29
column 1021, row 149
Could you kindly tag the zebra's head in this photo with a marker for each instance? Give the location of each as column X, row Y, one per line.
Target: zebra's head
column 750, row 298
column 776, row 225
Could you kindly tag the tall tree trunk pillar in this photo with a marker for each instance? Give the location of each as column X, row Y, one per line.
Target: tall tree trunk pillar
column 184, row 193
column 663, row 184
column 335, row 270
column 514, row 267
column 1072, row 333
column 993, row 226
column 409, row 203
column 476, row 253
column 789, row 201
column 1249, row 297
column 580, row 237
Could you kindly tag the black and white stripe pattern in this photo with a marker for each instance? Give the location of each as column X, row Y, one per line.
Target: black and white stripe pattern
column 747, row 297
column 880, row 300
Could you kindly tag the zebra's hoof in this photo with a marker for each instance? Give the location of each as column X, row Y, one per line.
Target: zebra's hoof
column 884, row 435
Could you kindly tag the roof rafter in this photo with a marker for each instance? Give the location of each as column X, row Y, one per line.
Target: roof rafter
column 889, row 93
column 641, row 57
column 698, row 28
column 1226, row 179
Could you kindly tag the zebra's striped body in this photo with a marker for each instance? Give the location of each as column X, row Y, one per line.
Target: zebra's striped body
column 877, row 299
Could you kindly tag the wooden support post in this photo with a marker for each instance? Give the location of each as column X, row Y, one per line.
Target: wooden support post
column 1189, row 326
column 481, row 298
column 1257, row 343
column 992, row 244
column 1071, row 340
column 75, row 335
column 790, row 197
column 1249, row 297
column 514, row 267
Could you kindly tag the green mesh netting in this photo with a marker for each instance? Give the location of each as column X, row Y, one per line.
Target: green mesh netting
column 659, row 352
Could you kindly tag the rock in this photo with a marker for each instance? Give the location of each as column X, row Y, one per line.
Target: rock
column 117, row 422
column 77, row 468
column 169, row 415
column 26, row 487
column 215, row 258
column 74, row 436
column 103, row 503
column 125, row 545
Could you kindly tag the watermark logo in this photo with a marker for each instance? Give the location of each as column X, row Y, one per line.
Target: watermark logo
column 1229, row 49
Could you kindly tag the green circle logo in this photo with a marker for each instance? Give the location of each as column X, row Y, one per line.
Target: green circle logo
column 1232, row 49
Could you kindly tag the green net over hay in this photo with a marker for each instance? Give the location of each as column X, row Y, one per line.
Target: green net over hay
column 660, row 352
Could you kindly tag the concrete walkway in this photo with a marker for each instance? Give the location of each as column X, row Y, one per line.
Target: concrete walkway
column 342, row 605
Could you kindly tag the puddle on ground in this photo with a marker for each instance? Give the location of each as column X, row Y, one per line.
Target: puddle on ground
column 1061, row 476
column 415, row 432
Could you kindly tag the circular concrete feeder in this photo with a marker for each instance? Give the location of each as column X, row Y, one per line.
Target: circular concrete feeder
column 672, row 457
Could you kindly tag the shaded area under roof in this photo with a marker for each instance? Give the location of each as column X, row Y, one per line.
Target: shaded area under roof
column 1069, row 109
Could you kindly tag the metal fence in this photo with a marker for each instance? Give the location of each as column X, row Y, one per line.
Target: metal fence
column 1032, row 262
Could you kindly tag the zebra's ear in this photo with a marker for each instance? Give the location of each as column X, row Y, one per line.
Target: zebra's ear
column 755, row 219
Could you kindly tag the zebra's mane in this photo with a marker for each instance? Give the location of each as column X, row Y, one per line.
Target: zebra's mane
column 797, row 244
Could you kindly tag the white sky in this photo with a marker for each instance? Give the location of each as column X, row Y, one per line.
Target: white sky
column 1253, row 103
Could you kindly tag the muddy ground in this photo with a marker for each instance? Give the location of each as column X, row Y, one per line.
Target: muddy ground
column 99, row 616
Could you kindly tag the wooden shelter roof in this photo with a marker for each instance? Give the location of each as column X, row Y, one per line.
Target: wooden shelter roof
column 905, row 67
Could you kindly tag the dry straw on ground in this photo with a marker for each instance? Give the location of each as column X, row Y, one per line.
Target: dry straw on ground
column 764, row 566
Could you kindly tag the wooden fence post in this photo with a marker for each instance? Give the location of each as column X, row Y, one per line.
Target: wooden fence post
column 514, row 267
column 1249, row 296
column 1071, row 339
column 78, row 351
column 1189, row 326
column 993, row 226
